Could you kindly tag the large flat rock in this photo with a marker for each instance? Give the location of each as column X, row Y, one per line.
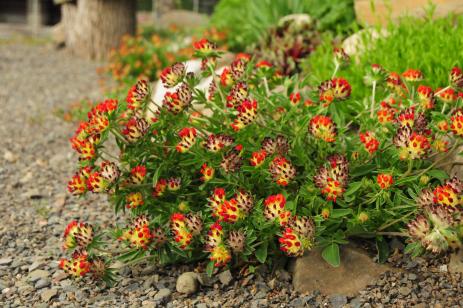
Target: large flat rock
column 357, row 270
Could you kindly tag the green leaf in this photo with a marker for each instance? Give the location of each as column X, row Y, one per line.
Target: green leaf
column 438, row 174
column 210, row 268
column 362, row 170
column 331, row 254
column 261, row 252
column 383, row 249
column 337, row 213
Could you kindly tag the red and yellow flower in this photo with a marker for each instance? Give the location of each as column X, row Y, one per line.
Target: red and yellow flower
column 134, row 200
column 295, row 98
column 204, row 47
column 77, row 234
column 238, row 94
column 386, row 113
column 97, row 183
column 135, row 129
column 137, row 95
column 188, row 135
column 139, row 234
column 447, row 95
column 247, row 113
column 173, row 184
column 138, row 174
column 182, row 235
column 159, row 188
column 369, row 141
column 334, row 89
column 456, row 123
column 216, row 200
column 78, row 266
column 384, row 180
column 207, row 172
column 226, row 78
column 257, row 158
column 426, row 97
column 282, row 170
column 322, row 127
column 412, row 75
column 275, row 209
column 177, row 102
column 78, row 184
column 456, row 77
column 411, row 144
column 395, row 83
column 172, row 75
column 332, row 179
column 215, row 143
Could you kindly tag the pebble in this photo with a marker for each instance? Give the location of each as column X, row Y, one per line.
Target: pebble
column 162, row 295
column 338, row 300
column 38, row 274
column 48, row 294
column 42, row 283
column 187, row 283
column 6, row 261
column 225, row 277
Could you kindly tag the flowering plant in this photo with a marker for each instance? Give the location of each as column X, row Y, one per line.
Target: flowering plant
column 260, row 165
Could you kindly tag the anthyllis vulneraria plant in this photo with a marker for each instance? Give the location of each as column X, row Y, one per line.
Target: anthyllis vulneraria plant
column 261, row 165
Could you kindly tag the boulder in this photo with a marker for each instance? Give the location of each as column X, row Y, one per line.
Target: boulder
column 312, row 273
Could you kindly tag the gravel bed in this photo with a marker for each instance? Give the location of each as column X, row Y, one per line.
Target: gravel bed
column 35, row 163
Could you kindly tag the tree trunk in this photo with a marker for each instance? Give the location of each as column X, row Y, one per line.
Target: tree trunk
column 94, row 27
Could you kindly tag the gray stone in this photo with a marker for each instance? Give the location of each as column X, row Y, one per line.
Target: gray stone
column 201, row 305
column 225, row 277
column 187, row 283
column 38, row 274
column 48, row 294
column 162, row 295
column 405, row 291
column 35, row 265
column 456, row 262
column 338, row 300
column 311, row 272
column 205, row 280
column 6, row 261
column 42, row 283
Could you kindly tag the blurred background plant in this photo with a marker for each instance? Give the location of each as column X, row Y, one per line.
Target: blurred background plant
column 412, row 42
column 246, row 21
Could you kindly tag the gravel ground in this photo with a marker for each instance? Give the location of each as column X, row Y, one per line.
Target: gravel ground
column 35, row 163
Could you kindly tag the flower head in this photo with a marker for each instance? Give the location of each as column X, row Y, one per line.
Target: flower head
column 172, row 75
column 138, row 235
column 220, row 255
column 215, row 143
column 247, row 113
column 386, row 113
column 334, row 89
column 412, row 75
column 447, row 95
column 384, row 180
column 236, row 240
column 449, row 193
column 109, row 171
column 159, row 188
column 238, row 94
column 226, row 78
column 176, row 102
column 275, row 209
column 133, row 200
column 78, row 266
column 257, row 158
column 78, row 184
column 279, row 145
column 138, row 174
column 97, row 183
column 456, row 122
column 207, row 172
column 135, row 129
column 282, row 170
column 332, row 179
column 425, row 198
column 194, row 223
column 77, row 234
column 322, row 127
column 238, row 68
column 188, row 135
column 456, row 77
column 340, row 56
column 411, row 144
column 173, row 184
column 137, row 94
column 426, row 97
column 179, row 228
column 369, row 141
column 232, row 161
column 295, row 98
column 216, row 200
column 204, row 47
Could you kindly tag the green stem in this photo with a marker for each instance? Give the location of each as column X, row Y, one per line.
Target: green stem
column 372, row 106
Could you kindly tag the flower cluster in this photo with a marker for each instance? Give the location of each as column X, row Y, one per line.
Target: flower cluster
column 258, row 160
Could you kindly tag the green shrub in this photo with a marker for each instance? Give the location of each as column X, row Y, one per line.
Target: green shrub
column 248, row 20
column 261, row 166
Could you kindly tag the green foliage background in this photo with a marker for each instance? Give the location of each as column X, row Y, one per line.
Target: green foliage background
column 247, row 20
